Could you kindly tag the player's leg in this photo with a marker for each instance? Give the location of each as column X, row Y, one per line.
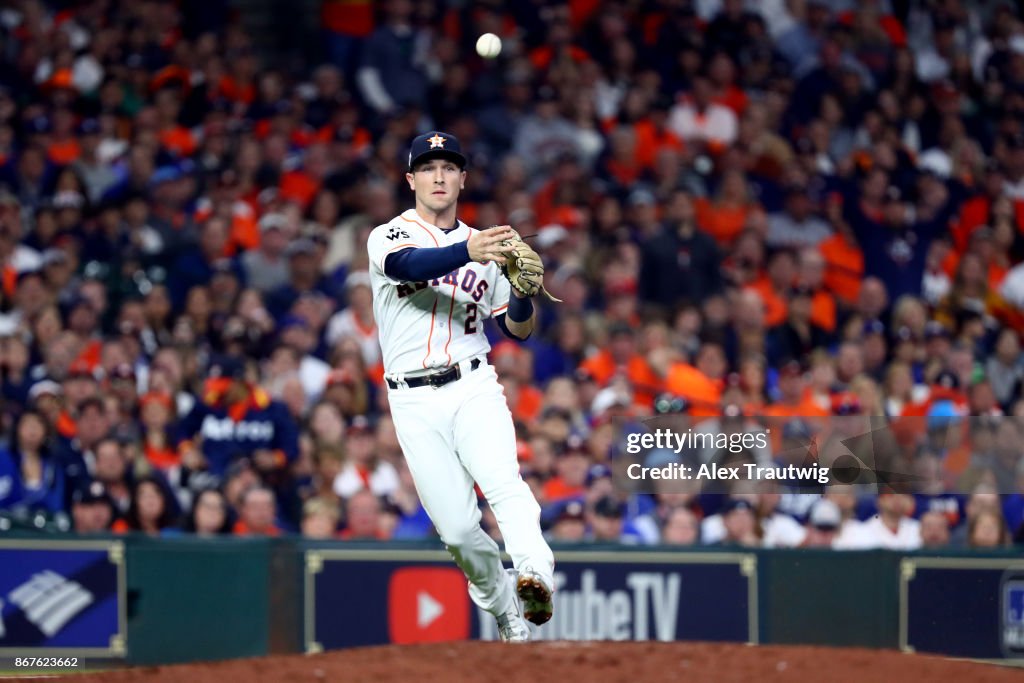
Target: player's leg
column 446, row 491
column 486, row 442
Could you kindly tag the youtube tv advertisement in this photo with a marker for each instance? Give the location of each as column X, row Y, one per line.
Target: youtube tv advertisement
column 418, row 596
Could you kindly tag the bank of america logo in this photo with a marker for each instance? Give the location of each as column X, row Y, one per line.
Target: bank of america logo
column 49, row 601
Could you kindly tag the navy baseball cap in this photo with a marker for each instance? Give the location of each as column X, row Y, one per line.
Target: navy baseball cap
column 227, row 366
column 436, row 144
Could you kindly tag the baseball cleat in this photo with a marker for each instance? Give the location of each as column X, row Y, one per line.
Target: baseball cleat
column 536, row 596
column 512, row 626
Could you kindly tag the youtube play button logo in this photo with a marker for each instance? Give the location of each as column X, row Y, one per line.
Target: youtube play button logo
column 427, row 605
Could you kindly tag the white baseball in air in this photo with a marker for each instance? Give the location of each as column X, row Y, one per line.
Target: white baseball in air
column 488, row 46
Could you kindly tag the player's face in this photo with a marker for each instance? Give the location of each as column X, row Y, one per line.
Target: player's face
column 437, row 183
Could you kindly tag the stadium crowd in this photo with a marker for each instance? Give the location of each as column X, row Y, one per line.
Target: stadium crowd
column 767, row 215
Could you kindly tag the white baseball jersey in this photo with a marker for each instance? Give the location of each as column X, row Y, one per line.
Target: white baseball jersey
column 434, row 324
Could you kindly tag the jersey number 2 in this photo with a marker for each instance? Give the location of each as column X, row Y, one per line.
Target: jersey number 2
column 471, row 312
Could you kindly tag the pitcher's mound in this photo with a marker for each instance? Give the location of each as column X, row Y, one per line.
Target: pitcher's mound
column 594, row 662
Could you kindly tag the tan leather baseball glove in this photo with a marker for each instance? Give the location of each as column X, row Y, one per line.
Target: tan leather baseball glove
column 524, row 269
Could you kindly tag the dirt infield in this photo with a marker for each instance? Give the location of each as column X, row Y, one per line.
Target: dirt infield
column 595, row 662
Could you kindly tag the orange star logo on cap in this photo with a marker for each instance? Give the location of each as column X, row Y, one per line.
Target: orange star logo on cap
column 436, row 141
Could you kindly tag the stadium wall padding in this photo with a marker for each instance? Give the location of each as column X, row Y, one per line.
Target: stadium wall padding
column 197, row 599
column 190, row 599
column 825, row 597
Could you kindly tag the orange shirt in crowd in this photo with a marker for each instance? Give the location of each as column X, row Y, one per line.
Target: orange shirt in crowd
column 378, row 535
column 625, row 174
column 64, row 152
column 734, row 98
column 543, row 203
column 996, row 272
column 913, row 424
column 10, row 279
column 162, row 458
column 780, row 413
column 775, row 308
column 646, row 383
column 703, row 393
column 1018, row 212
column 844, row 267
column 889, row 24
column 347, row 17
column 298, row 186
column 66, row 425
column 580, row 11
column 724, row 223
column 914, row 415
column 650, row 141
column 541, row 57
column 241, row 529
column 361, row 139
column 90, row 355
column 178, row 140
column 823, row 310
column 973, row 215
column 556, row 489
column 244, row 234
column 529, row 403
column 232, row 90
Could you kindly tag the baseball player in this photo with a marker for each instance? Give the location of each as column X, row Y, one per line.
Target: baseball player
column 435, row 280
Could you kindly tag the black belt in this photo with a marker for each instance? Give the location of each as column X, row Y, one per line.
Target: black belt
column 437, row 379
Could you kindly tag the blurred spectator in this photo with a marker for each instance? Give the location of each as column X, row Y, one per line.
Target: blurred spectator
column 891, row 528
column 570, row 473
column 739, row 521
column 700, row 121
column 209, row 515
column 31, row 478
column 85, row 428
column 822, row 525
column 681, row 528
column 681, row 263
column 987, row 530
column 796, row 225
column 256, row 513
column 393, row 72
column 151, row 511
column 412, row 520
column 730, row 211
column 320, row 517
column 545, row 135
column 606, row 517
column 113, row 471
column 934, row 530
column 983, row 499
column 156, row 415
column 364, row 469
column 92, row 510
column 235, row 420
column 266, row 268
column 779, row 530
column 570, row 523
column 363, row 518
column 356, row 320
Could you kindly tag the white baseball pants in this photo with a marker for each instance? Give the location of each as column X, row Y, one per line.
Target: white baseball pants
column 452, row 436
